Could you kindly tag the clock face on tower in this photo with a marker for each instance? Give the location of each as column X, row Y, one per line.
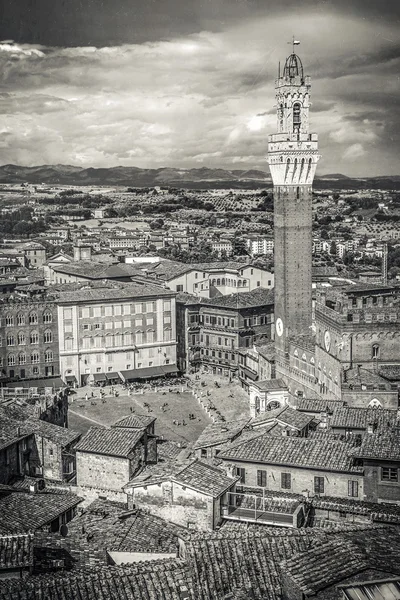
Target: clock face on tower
column 327, row 340
column 279, row 327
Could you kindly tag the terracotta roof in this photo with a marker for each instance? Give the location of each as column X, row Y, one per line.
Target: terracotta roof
column 21, row 512
column 381, row 446
column 270, row 384
column 327, row 455
column 105, row 525
column 168, row 449
column 335, row 560
column 257, row 297
column 135, row 421
column 285, row 415
column 205, row 478
column 360, row 418
column 220, row 433
column 113, row 291
column 322, row 566
column 16, row 551
column 167, row 579
column 111, row 442
column 17, row 417
column 316, row 405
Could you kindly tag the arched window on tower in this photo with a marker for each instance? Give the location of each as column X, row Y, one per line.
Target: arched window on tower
column 296, row 117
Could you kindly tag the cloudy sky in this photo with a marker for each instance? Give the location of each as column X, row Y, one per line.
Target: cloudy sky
column 190, row 83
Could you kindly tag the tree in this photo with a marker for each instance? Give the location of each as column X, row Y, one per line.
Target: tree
column 239, row 247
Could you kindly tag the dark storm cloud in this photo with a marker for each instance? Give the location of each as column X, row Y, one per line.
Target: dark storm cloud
column 103, row 23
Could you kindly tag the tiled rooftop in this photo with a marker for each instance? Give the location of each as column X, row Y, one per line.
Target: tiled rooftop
column 111, row 442
column 167, row 579
column 257, row 297
column 113, row 291
column 205, row 478
column 168, row 449
column 16, row 551
column 21, row 512
column 293, row 451
column 284, row 415
column 105, row 525
column 270, row 384
column 16, row 416
column 220, row 432
column 360, row 418
column 382, row 446
column 337, row 559
column 135, row 421
column 316, row 405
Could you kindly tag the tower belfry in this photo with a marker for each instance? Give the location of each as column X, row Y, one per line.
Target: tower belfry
column 292, row 158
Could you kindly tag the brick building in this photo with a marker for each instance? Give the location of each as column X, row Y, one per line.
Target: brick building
column 212, row 332
column 28, row 338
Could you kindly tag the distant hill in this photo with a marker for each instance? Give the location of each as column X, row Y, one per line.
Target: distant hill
column 202, row 178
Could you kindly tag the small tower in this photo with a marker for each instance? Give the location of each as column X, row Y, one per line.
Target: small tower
column 292, row 158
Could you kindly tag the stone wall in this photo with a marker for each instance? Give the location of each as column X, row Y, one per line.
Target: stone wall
column 96, row 470
column 377, row 490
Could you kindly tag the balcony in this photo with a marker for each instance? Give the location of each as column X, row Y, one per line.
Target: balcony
column 266, row 510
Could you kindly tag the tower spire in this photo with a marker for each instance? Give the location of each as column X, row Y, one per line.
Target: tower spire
column 294, row 43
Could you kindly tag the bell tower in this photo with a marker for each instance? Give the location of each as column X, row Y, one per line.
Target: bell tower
column 292, row 158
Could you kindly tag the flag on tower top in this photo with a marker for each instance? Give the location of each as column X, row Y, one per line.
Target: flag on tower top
column 296, row 42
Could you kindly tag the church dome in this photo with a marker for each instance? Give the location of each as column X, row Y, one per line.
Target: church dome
column 293, row 67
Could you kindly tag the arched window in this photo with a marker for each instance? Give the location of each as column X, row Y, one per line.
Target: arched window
column 9, row 320
column 48, row 356
column 47, row 317
column 223, row 281
column 218, row 281
column 34, row 337
column 375, row 351
column 33, row 318
column 10, row 340
column 21, row 339
column 296, row 116
column 109, row 340
column 239, row 283
column 127, row 338
column 139, row 337
column 35, row 358
column 167, row 335
column 11, row 360
column 150, row 335
column 22, row 358
column 20, row 319
column 48, row 336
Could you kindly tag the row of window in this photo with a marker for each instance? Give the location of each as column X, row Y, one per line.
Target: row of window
column 127, row 324
column 286, row 482
column 213, row 353
column 119, row 339
column 116, row 310
column 21, row 338
column 33, row 319
column 21, row 358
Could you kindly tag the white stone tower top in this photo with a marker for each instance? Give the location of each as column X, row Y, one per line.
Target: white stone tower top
column 293, row 151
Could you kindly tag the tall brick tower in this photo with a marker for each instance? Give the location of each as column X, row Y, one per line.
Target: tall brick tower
column 292, row 159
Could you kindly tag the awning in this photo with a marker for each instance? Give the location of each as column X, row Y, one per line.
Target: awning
column 99, row 377
column 70, row 379
column 148, row 372
column 37, row 383
column 113, row 375
column 249, row 373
